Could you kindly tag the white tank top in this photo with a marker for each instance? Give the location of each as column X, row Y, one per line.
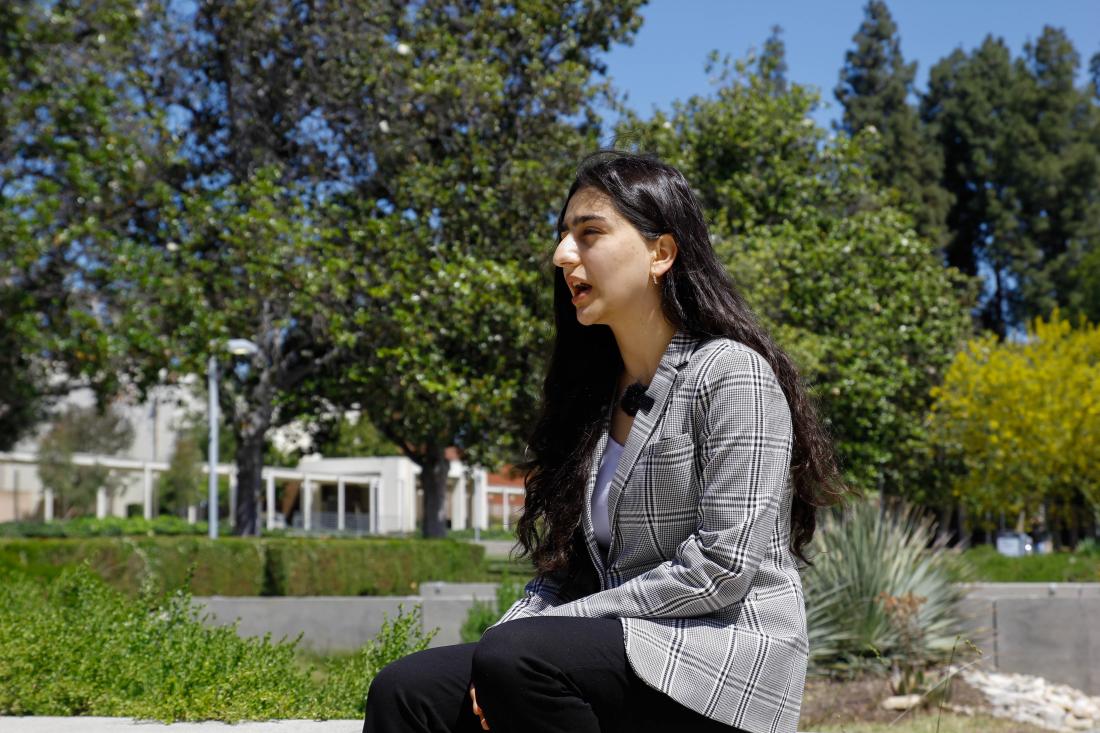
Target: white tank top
column 601, row 522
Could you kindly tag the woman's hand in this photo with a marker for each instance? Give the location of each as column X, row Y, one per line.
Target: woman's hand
column 477, row 709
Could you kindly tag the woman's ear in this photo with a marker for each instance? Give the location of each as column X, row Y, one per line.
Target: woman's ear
column 664, row 254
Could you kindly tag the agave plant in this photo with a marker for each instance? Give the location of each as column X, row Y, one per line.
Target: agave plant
column 880, row 588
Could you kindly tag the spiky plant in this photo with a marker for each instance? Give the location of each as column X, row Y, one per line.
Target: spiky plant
column 865, row 562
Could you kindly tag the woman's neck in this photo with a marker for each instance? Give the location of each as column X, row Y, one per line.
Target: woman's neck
column 642, row 347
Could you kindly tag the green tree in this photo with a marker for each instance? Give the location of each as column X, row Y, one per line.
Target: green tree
column 1023, row 417
column 75, row 171
column 181, row 485
column 366, row 196
column 840, row 276
column 82, row 430
column 874, row 89
column 1021, row 158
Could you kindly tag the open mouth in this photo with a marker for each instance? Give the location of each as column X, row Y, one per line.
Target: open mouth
column 581, row 288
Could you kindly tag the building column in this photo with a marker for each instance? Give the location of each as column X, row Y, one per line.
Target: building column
column 147, row 485
column 459, row 520
column 270, row 501
column 481, row 499
column 100, row 503
column 232, row 497
column 307, row 503
column 47, row 505
column 340, row 504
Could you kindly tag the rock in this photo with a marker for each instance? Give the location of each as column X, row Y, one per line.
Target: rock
column 901, row 702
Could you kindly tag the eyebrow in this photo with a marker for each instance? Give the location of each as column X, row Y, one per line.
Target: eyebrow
column 582, row 218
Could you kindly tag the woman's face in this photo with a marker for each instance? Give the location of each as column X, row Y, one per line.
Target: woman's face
column 601, row 249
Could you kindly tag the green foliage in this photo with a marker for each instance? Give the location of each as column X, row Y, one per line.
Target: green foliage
column 367, row 567
column 106, row 527
column 250, row 567
column 348, row 678
column 875, row 84
column 861, row 302
column 355, row 435
column 484, row 614
column 82, row 430
column 1022, row 417
column 76, row 647
column 1021, row 156
column 989, row 566
column 78, row 159
column 868, row 568
column 181, row 485
column 227, row 566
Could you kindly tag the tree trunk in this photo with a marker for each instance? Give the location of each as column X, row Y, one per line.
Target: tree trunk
column 433, row 479
column 250, row 463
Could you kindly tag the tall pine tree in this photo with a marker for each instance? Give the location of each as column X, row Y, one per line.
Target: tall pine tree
column 1020, row 149
column 874, row 88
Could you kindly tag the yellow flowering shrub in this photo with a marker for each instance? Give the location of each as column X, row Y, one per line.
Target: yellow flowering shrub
column 1024, row 418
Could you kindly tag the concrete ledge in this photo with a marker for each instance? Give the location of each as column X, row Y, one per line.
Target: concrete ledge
column 341, row 623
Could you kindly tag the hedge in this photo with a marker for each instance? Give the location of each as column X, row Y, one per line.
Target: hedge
column 234, row 566
column 106, row 527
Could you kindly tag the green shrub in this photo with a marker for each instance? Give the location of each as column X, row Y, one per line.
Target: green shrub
column 74, row 646
column 990, row 566
column 880, row 589
column 484, row 614
column 236, row 566
column 106, row 527
column 227, row 566
column 367, row 567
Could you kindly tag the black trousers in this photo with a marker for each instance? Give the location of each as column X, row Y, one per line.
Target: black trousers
column 539, row 674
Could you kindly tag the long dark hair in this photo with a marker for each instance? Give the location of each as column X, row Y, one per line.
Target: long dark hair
column 699, row 297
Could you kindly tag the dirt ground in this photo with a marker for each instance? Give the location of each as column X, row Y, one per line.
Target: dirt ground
column 828, row 702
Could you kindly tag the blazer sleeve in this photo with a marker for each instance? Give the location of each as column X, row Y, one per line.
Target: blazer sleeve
column 541, row 593
column 745, row 445
column 548, row 590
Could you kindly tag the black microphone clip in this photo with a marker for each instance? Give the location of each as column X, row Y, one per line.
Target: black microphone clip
column 635, row 398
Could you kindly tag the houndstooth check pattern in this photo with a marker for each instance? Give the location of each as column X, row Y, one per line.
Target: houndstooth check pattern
column 699, row 569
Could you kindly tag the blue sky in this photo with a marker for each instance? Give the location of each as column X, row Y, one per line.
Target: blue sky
column 667, row 58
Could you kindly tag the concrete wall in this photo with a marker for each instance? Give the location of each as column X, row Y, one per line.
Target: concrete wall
column 340, row 623
column 1046, row 629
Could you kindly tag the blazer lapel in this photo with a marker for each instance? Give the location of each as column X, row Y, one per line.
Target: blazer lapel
column 676, row 354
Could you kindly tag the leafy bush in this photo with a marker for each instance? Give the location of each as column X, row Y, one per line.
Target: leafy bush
column 865, row 572
column 484, row 614
column 235, row 566
column 77, row 647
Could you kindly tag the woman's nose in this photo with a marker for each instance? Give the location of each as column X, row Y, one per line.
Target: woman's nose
column 566, row 252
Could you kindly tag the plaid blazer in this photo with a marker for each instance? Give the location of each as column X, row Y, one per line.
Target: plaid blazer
column 699, row 569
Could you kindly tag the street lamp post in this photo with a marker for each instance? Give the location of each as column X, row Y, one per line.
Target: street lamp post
column 237, row 347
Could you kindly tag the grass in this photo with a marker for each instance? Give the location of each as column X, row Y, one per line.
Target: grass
column 989, row 566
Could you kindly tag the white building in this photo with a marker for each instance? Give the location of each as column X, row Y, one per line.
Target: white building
column 358, row 495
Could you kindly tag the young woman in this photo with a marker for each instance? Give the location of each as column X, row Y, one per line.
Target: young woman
column 677, row 463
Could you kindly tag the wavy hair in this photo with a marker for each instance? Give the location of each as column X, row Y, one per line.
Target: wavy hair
column 698, row 296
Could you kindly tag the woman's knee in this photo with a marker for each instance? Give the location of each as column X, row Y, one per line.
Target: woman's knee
column 498, row 652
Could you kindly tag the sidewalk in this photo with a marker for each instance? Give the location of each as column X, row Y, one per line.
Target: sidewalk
column 129, row 725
